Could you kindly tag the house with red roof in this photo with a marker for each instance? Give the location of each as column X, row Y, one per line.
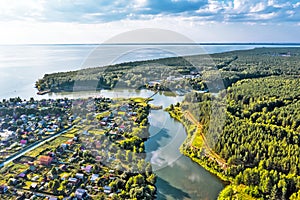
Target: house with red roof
column 45, row 160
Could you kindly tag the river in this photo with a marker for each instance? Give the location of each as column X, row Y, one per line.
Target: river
column 178, row 176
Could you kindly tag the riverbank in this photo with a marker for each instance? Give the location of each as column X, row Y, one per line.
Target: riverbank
column 209, row 158
column 178, row 177
column 176, row 113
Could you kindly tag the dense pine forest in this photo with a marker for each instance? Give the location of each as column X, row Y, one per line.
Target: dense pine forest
column 260, row 137
column 249, row 130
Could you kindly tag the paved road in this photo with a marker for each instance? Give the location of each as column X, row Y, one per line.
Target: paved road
column 31, row 147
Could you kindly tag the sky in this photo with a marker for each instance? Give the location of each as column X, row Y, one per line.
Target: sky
column 95, row 21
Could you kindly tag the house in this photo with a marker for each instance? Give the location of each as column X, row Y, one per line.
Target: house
column 73, row 181
column 94, row 178
column 35, row 178
column 22, row 175
column 103, row 123
column 97, row 145
column 153, row 83
column 80, row 193
column 132, row 113
column 64, row 146
column 3, row 189
column 32, row 168
column 107, row 189
column 112, row 177
column 45, row 160
column 79, row 176
column 63, row 167
column 85, row 132
column 23, row 142
column 13, row 181
column 88, row 168
column 104, row 119
column 98, row 158
column 69, row 142
column 33, row 186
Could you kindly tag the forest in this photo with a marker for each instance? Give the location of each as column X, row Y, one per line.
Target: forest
column 259, row 139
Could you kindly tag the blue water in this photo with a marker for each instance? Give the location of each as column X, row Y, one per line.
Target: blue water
column 22, row 65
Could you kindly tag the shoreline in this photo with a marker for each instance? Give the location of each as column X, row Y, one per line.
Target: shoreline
column 226, row 180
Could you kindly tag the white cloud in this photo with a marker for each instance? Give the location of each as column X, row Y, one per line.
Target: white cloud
column 39, row 33
column 262, row 16
column 140, row 3
column 240, row 5
column 282, row 5
column 258, row 7
column 91, row 21
column 296, row 5
column 12, row 9
column 271, row 2
column 98, row 11
column 290, row 13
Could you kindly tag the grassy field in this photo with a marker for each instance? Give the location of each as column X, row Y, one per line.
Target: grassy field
column 103, row 114
column 139, row 100
column 121, row 113
column 97, row 132
column 197, row 140
column 53, row 143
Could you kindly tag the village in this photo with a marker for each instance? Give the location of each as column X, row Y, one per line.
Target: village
column 102, row 156
column 23, row 123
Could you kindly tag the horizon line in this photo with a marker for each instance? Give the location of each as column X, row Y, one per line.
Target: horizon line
column 163, row 43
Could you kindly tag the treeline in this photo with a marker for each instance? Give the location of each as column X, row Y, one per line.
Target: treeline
column 128, row 75
column 232, row 67
column 259, row 138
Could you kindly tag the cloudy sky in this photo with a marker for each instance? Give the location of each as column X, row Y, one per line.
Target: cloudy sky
column 95, row 21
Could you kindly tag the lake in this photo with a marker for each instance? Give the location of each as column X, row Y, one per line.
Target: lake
column 22, row 65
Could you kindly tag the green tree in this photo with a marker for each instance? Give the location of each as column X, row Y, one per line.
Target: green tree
column 152, row 179
column 55, row 185
column 139, row 179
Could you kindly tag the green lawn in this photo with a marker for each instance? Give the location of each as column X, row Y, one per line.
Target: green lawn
column 53, row 143
column 139, row 100
column 121, row 113
column 27, row 185
column 97, row 132
column 103, row 114
column 197, row 141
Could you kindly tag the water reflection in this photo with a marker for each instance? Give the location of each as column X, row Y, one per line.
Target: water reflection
column 167, row 191
column 178, row 176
